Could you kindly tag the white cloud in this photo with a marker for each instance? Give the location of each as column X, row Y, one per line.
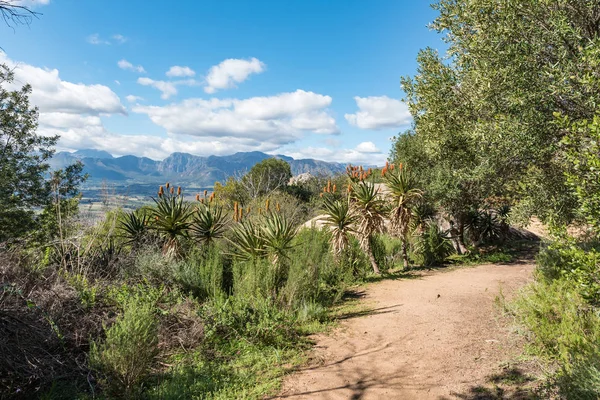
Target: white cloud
column 117, row 82
column 367, row 147
column 31, row 3
column 177, row 71
column 379, row 113
column 351, row 156
column 167, row 89
column 276, row 119
column 96, row 39
column 120, row 39
column 52, row 94
column 231, row 71
column 132, row 99
column 89, row 133
column 126, row 65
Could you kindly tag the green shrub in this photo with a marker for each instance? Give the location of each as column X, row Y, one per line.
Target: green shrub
column 314, row 275
column 256, row 319
column 201, row 273
column 393, row 250
column 355, row 260
column 565, row 329
column 378, row 246
column 432, row 246
column 577, row 263
column 127, row 355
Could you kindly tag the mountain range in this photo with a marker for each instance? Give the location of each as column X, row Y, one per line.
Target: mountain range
column 183, row 167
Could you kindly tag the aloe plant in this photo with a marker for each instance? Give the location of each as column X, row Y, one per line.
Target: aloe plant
column 247, row 241
column 404, row 193
column 209, row 222
column 277, row 234
column 368, row 207
column 133, row 227
column 340, row 221
column 171, row 219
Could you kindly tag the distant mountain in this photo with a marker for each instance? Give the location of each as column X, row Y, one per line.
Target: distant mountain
column 91, row 154
column 180, row 167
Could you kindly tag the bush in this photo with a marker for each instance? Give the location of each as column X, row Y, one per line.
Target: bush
column 432, row 246
column 577, row 263
column 202, row 273
column 127, row 355
column 378, row 245
column 314, row 275
column 355, row 260
column 392, row 250
column 256, row 319
column 566, row 330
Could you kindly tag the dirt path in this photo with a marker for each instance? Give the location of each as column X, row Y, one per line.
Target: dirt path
column 434, row 337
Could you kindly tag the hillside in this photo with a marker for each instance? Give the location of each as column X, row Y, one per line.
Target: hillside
column 183, row 167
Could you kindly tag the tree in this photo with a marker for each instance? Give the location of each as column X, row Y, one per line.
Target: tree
column 340, row 221
column 24, row 159
column 14, row 13
column 484, row 115
column 266, row 176
column 367, row 206
column 404, row 194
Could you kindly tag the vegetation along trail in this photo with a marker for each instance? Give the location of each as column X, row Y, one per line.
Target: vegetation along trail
column 437, row 336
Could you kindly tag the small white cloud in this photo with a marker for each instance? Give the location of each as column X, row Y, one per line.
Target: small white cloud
column 352, row 156
column 31, row 3
column 167, row 89
column 132, row 99
column 177, row 71
column 367, row 147
column 117, row 82
column 231, row 71
column 124, row 64
column 120, row 39
column 96, row 39
column 379, row 113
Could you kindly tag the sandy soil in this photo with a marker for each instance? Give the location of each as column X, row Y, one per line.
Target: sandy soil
column 438, row 336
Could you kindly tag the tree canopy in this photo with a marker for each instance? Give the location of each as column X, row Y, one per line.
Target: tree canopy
column 485, row 128
column 23, row 159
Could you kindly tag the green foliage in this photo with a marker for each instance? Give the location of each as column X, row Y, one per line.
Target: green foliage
column 134, row 227
column 201, row 274
column 231, row 192
column 24, row 160
column 566, row 259
column 483, row 116
column 433, row 246
column 128, row 353
column 314, row 275
column 171, row 218
column 266, row 176
column 247, row 241
column 368, row 206
column 277, row 233
column 209, row 223
column 255, row 318
column 88, row 293
column 340, row 222
column 380, row 252
column 405, row 194
column 566, row 330
column 582, row 153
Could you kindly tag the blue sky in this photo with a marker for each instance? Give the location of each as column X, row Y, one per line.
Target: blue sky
column 306, row 78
